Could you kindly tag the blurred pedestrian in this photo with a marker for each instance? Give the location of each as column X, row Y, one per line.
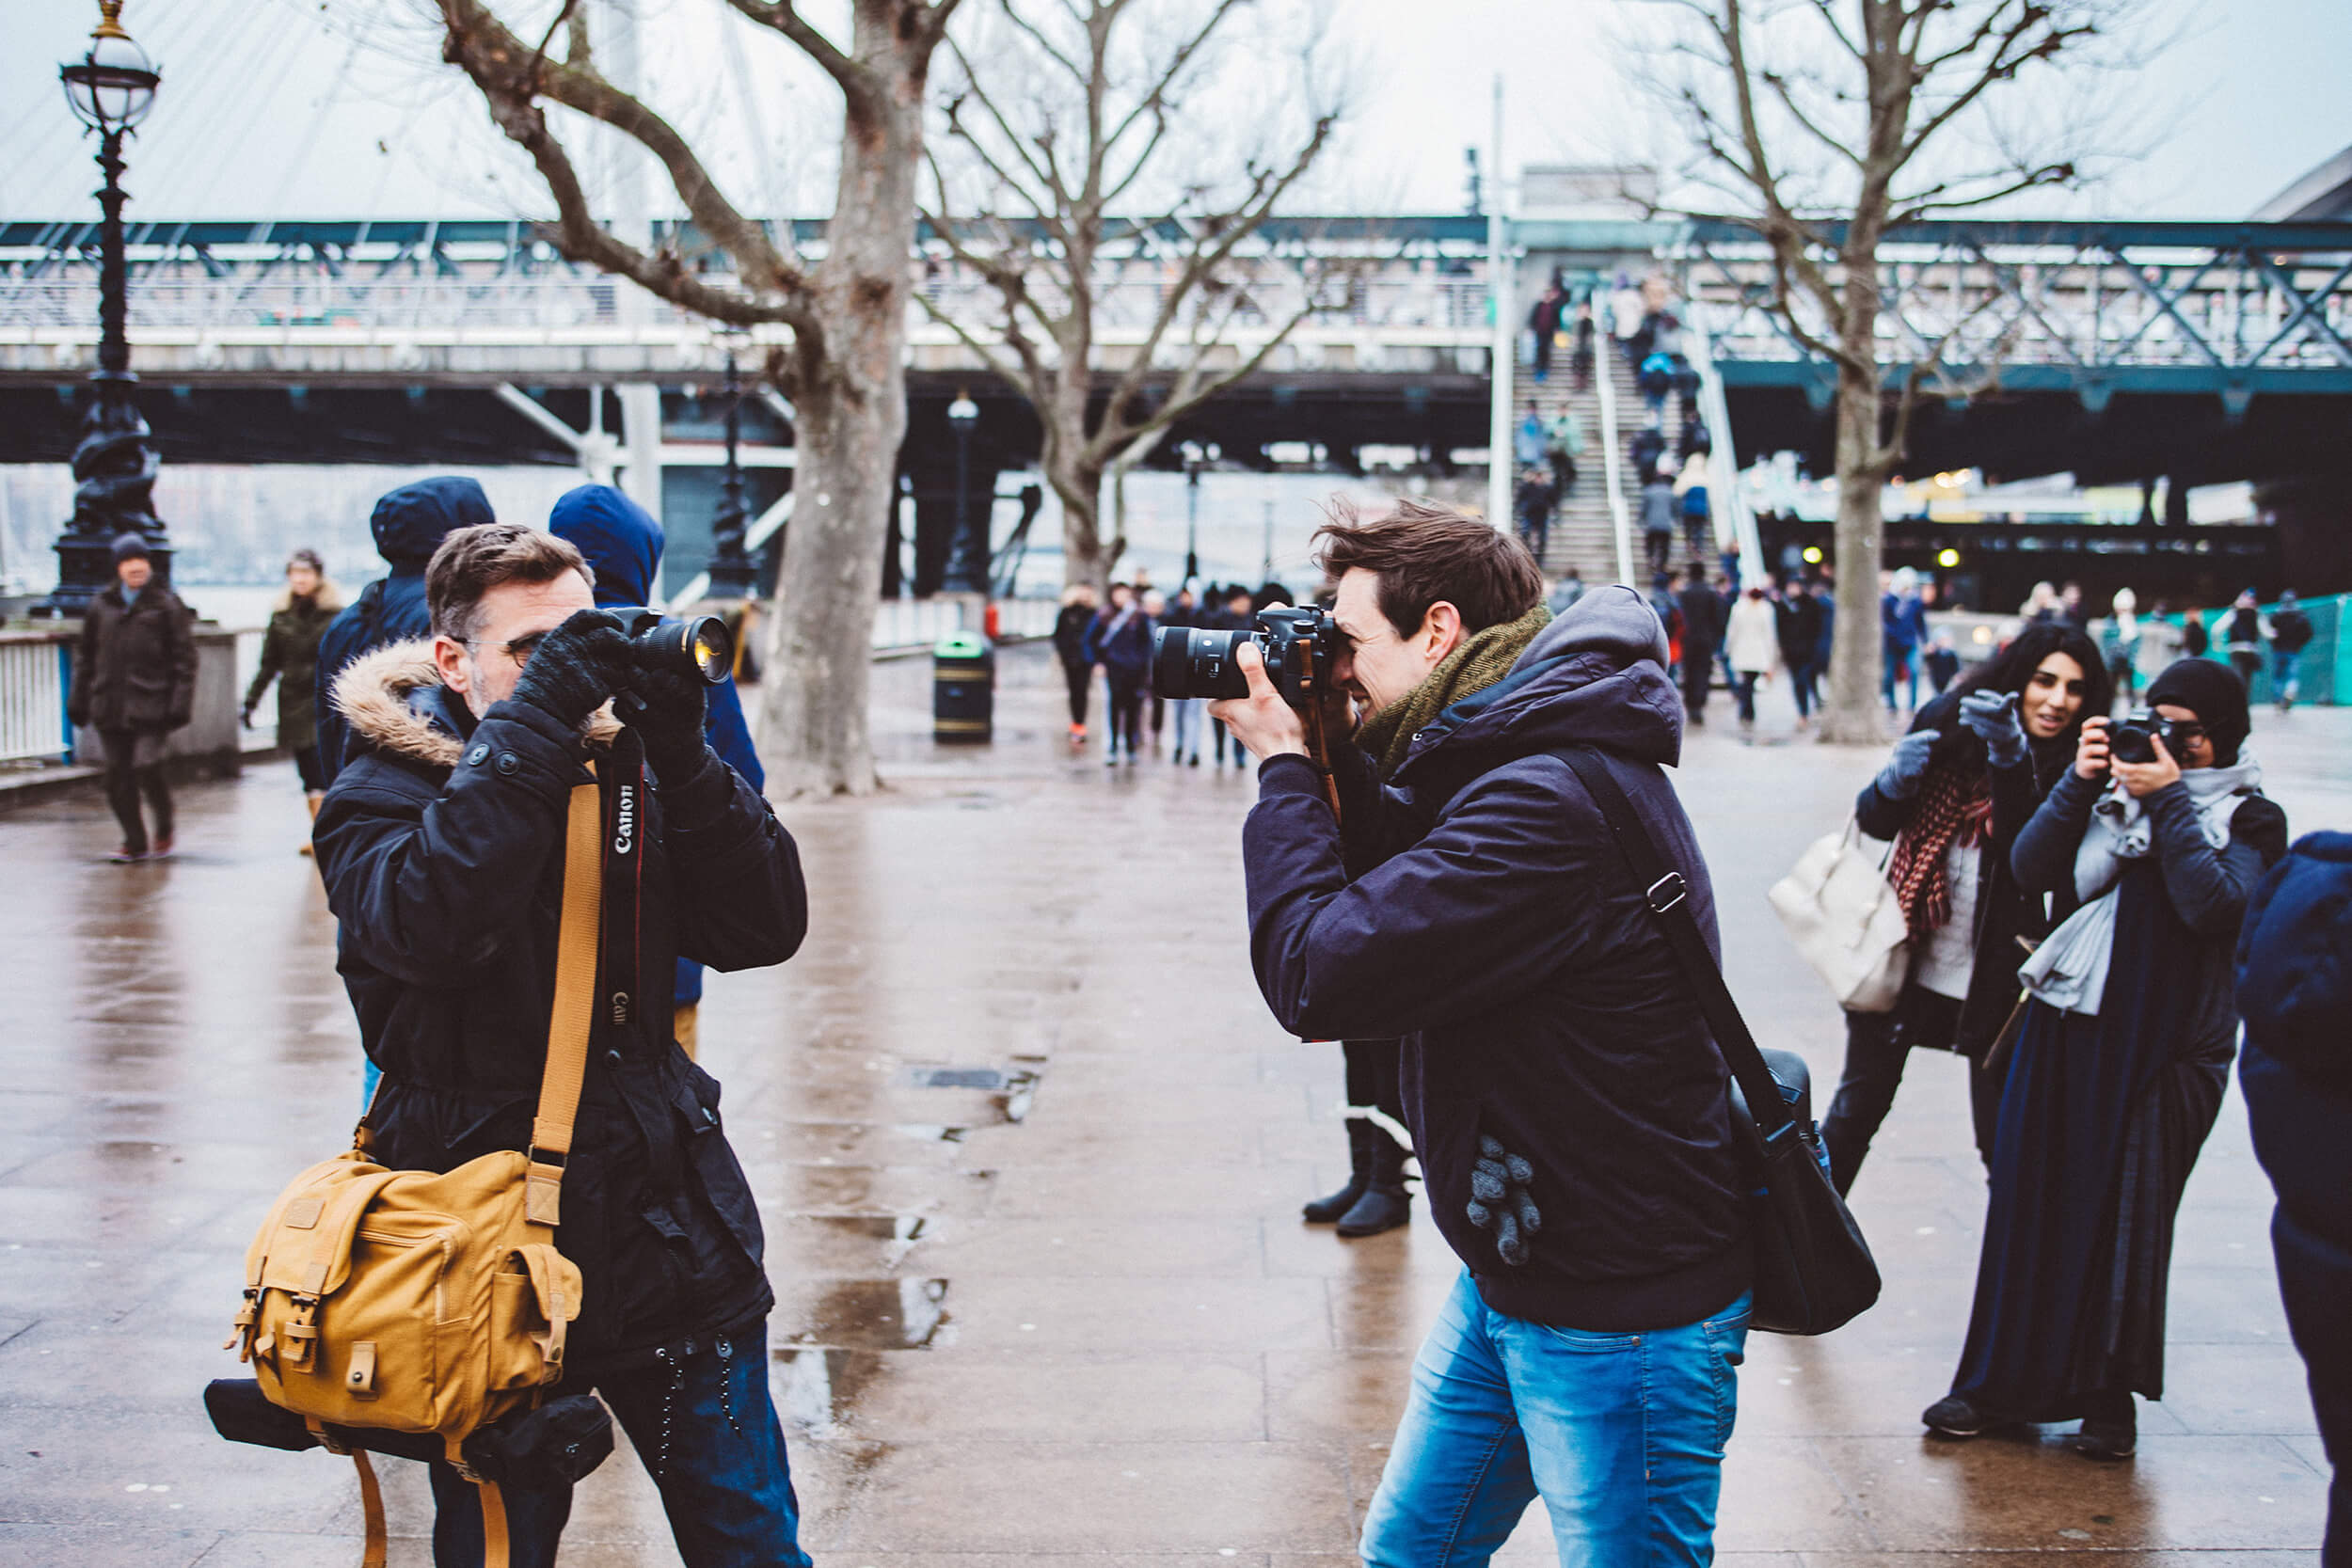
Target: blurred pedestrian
column 2120, row 1066
column 1070, row 646
column 1797, row 621
column 1154, row 604
column 1941, row 660
column 1545, row 321
column 2295, row 986
column 1185, row 612
column 1120, row 645
column 1698, row 524
column 1699, row 634
column 1563, row 443
column 2290, row 634
column 1565, row 590
column 2195, row 640
column 1751, row 647
column 1658, row 515
column 409, row 524
column 2245, row 638
column 290, row 657
column 1534, row 499
column 2122, row 645
column 1903, row 626
column 1581, row 358
column 1825, row 596
column 1646, row 449
column 1235, row 616
column 622, row 542
column 134, row 683
column 1528, row 441
column 2041, row 605
column 1961, row 783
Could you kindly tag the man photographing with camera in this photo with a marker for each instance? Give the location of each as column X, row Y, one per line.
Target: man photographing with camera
column 442, row 846
column 1567, row 1100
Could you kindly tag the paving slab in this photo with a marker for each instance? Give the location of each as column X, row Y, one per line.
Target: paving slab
column 1054, row 1308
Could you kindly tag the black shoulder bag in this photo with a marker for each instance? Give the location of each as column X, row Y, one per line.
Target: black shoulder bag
column 1813, row 1270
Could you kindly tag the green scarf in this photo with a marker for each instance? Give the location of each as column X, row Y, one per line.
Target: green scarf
column 1479, row 662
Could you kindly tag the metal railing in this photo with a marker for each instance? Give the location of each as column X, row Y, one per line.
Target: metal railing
column 1608, row 353
column 34, row 670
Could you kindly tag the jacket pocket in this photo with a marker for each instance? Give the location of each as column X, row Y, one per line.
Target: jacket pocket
column 716, row 1171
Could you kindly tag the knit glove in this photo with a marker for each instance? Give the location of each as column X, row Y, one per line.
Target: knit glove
column 669, row 713
column 1499, row 1200
column 1899, row 779
column 1992, row 718
column 576, row 667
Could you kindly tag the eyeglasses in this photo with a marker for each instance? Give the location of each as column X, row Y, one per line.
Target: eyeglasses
column 520, row 650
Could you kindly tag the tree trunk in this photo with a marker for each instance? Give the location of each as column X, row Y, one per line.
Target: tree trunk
column 1081, row 496
column 849, row 391
column 1852, row 714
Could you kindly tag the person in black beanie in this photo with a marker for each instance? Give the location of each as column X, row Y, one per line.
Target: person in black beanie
column 134, row 683
column 2119, row 1065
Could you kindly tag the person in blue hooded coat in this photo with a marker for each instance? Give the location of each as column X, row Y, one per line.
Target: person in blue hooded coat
column 623, row 543
column 409, row 524
column 2295, row 990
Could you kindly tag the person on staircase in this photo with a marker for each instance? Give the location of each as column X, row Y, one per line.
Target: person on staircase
column 1702, row 634
column 1545, row 320
column 1533, row 499
column 290, row 657
column 1658, row 515
column 1698, row 523
column 1563, row 443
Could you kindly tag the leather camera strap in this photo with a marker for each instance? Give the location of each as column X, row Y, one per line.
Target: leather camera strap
column 574, row 1014
column 1668, row 898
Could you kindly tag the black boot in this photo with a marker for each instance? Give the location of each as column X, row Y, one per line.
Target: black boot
column 1386, row 1203
column 1327, row 1211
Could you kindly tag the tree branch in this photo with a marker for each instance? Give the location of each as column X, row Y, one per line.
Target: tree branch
column 856, row 81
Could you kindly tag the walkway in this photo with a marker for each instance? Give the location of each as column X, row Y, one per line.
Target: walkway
column 1059, row 1311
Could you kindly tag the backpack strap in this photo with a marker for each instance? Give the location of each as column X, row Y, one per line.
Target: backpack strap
column 371, row 1494
column 574, row 1013
column 1668, row 898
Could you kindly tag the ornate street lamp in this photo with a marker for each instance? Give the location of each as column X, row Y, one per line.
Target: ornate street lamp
column 965, row 563
column 110, row 90
column 731, row 569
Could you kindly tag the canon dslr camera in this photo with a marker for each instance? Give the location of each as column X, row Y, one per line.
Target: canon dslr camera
column 697, row 645
column 1299, row 644
column 2133, row 738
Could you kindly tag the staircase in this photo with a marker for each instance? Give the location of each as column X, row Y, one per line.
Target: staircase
column 1584, row 533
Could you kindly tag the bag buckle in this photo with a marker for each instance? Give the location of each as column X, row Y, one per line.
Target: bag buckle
column 1666, row 893
column 241, row 1331
column 302, row 1335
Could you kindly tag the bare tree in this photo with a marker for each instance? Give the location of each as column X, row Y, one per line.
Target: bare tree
column 1826, row 123
column 844, row 368
column 1067, row 114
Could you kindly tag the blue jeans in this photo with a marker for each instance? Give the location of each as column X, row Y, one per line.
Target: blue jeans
column 1621, row 1434
column 2284, row 688
column 1904, row 662
column 703, row 1422
column 1187, row 711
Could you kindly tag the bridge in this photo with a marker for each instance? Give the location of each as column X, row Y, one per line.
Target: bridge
column 2122, row 351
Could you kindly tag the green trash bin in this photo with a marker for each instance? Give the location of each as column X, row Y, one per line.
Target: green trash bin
column 963, row 689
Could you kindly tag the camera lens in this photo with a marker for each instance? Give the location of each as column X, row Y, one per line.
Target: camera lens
column 700, row 644
column 1193, row 661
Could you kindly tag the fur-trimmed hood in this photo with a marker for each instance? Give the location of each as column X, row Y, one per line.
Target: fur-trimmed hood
column 375, row 695
column 327, row 601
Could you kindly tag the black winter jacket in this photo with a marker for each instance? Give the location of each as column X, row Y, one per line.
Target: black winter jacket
column 1492, row 923
column 441, row 847
column 2007, row 916
column 135, row 668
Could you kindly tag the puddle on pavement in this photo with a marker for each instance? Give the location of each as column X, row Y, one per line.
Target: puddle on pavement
column 873, row 1315
column 856, row 1243
column 1011, row 1090
column 817, row 1391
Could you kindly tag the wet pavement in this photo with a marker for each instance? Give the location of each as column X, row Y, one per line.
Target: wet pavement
column 1030, row 1153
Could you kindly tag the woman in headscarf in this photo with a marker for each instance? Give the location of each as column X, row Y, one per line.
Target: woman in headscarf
column 1967, row 777
column 2121, row 1065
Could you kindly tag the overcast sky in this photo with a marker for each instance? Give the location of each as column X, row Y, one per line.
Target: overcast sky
column 299, row 108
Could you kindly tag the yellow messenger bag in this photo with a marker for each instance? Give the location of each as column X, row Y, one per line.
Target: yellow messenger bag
column 434, row 1303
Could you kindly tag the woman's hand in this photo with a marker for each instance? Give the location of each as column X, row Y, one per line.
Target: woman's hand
column 2092, row 759
column 2143, row 779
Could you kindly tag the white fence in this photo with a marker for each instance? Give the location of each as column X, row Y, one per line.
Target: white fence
column 33, row 676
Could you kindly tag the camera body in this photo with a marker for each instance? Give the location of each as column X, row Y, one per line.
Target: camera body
column 1299, row 644
column 699, row 645
column 2132, row 738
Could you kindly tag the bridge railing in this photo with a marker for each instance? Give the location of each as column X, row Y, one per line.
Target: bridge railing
column 34, row 667
column 2088, row 305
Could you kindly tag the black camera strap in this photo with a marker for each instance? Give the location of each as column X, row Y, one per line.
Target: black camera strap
column 1668, row 897
column 620, row 967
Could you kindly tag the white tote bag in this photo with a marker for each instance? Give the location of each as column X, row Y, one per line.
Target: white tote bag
column 1843, row 916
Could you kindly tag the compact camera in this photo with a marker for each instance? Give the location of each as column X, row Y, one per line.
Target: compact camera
column 699, row 645
column 2133, row 738
column 1299, row 644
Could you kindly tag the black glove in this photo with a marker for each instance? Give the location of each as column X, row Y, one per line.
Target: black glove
column 577, row 666
column 1499, row 1200
column 668, row 712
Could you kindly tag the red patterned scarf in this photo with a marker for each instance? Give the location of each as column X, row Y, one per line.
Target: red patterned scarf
column 1955, row 807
